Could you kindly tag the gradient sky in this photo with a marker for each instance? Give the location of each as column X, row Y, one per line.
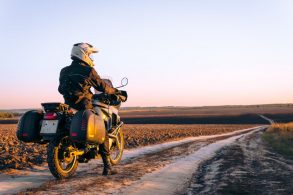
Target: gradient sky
column 175, row 53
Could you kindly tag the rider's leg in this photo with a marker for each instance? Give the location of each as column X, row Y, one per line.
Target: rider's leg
column 105, row 153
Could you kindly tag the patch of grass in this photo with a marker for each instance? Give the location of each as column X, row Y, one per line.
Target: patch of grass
column 280, row 137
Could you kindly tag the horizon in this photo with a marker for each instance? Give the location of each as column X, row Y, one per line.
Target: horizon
column 127, row 107
column 188, row 53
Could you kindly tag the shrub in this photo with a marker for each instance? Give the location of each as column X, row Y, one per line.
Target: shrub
column 280, row 137
column 6, row 115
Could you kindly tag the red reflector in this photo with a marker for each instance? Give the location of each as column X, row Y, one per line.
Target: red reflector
column 50, row 116
column 74, row 134
column 24, row 134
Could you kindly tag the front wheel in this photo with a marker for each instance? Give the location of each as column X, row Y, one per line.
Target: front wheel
column 60, row 157
column 117, row 148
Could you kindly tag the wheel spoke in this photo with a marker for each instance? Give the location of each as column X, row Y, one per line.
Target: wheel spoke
column 117, row 148
column 118, row 143
column 61, row 162
column 67, row 161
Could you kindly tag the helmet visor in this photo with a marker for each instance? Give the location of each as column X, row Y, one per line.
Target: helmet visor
column 91, row 56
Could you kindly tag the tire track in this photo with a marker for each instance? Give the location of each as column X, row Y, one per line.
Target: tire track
column 136, row 165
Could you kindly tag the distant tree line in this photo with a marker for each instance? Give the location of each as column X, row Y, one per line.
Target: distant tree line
column 9, row 115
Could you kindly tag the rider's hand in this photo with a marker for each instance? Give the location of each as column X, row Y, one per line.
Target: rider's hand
column 118, row 92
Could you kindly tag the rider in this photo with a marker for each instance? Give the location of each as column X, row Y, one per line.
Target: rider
column 74, row 84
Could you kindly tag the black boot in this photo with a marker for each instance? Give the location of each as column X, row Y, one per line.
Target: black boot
column 107, row 166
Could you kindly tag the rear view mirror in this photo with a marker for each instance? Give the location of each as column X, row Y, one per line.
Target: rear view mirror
column 124, row 82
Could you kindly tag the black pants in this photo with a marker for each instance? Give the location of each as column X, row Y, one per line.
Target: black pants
column 87, row 104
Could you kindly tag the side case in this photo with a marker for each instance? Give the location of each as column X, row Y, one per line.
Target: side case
column 87, row 127
column 29, row 126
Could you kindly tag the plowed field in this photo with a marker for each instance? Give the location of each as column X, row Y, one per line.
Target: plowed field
column 16, row 154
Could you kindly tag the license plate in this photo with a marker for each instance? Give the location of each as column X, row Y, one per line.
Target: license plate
column 49, row 126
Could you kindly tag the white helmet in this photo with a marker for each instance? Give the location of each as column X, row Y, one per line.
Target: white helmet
column 83, row 51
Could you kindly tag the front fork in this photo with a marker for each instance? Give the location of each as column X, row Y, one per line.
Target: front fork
column 113, row 136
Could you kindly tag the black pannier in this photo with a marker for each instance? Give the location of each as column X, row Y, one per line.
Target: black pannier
column 29, row 126
column 87, row 127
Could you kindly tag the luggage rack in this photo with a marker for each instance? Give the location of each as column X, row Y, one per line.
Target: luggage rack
column 55, row 107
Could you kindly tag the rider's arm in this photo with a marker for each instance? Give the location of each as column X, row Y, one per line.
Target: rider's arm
column 99, row 84
column 62, row 81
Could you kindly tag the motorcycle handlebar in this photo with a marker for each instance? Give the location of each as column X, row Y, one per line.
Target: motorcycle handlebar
column 122, row 95
column 119, row 96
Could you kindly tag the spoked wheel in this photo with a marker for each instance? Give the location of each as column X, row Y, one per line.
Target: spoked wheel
column 117, row 148
column 61, row 159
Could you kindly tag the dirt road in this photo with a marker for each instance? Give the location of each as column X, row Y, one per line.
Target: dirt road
column 169, row 164
column 19, row 155
column 248, row 166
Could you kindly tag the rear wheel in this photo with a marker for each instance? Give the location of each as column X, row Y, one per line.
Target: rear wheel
column 61, row 160
column 117, row 148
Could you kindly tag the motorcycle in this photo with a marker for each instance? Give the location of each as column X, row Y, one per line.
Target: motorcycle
column 73, row 136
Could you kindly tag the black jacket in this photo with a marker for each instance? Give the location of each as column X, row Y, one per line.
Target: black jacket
column 76, row 80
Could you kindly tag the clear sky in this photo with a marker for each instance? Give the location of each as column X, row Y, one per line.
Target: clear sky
column 175, row 53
